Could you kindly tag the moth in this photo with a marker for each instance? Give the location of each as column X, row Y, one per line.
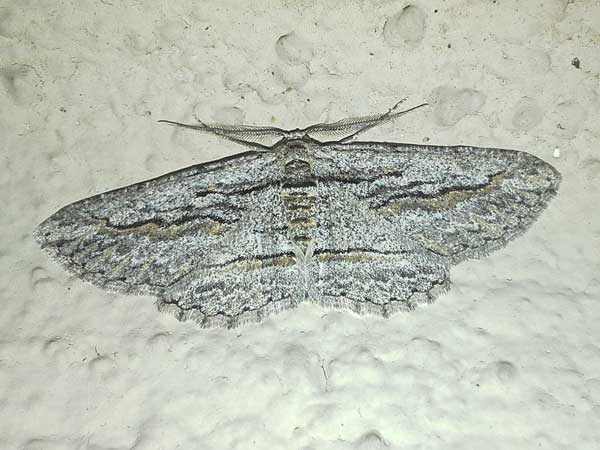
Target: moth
column 373, row 227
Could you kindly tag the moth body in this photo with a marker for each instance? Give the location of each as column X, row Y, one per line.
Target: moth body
column 372, row 227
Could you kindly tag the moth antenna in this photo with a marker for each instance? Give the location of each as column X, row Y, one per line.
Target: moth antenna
column 345, row 129
column 247, row 135
column 389, row 115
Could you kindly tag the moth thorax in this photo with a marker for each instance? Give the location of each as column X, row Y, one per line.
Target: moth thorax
column 299, row 194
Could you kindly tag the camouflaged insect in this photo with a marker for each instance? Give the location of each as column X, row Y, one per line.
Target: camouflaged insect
column 369, row 226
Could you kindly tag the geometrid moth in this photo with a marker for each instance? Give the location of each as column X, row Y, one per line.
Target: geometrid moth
column 369, row 226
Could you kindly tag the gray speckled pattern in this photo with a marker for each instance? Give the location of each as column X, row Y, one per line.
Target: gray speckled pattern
column 372, row 227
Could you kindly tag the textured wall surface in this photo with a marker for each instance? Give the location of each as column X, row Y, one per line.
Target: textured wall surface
column 507, row 359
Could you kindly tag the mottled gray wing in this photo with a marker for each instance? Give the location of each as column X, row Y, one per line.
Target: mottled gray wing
column 396, row 216
column 200, row 239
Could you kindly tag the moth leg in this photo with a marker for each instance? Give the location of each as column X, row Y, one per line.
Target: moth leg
column 348, row 128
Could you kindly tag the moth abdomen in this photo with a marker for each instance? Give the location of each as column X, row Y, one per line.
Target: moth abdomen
column 300, row 196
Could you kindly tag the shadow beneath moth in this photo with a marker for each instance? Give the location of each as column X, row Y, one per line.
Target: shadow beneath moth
column 372, row 227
